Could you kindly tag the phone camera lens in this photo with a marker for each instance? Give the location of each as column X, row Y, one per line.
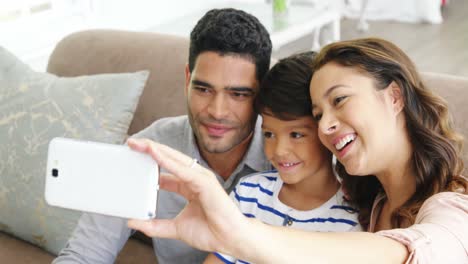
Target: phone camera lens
column 55, row 172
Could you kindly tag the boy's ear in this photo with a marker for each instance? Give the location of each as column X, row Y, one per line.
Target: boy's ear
column 187, row 79
column 396, row 97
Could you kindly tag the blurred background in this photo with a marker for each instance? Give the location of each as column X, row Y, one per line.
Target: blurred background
column 433, row 32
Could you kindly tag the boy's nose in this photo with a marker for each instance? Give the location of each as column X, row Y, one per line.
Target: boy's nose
column 282, row 148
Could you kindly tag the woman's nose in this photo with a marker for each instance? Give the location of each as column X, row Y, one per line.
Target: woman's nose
column 328, row 124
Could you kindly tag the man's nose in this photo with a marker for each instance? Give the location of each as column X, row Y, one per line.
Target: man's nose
column 218, row 107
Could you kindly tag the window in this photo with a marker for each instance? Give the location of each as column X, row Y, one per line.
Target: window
column 30, row 28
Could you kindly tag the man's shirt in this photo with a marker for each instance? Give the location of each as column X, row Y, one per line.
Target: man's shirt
column 99, row 238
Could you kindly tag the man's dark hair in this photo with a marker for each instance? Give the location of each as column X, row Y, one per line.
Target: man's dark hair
column 232, row 32
column 284, row 92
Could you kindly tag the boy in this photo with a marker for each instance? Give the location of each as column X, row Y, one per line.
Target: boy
column 303, row 191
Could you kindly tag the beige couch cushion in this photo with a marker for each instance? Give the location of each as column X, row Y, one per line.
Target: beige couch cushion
column 34, row 108
column 13, row 250
column 16, row 251
column 112, row 51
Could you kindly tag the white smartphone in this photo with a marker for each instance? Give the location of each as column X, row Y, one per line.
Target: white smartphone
column 101, row 178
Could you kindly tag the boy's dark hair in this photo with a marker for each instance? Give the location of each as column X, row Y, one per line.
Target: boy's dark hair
column 284, row 92
column 232, row 32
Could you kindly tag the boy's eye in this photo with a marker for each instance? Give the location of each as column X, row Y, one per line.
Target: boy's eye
column 338, row 100
column 296, row 135
column 241, row 95
column 317, row 117
column 267, row 134
column 236, row 94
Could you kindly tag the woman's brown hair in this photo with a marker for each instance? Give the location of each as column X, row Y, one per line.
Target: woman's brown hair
column 437, row 148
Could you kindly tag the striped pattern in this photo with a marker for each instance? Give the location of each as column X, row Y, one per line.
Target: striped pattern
column 257, row 197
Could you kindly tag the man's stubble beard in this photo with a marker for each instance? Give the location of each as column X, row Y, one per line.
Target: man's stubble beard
column 204, row 143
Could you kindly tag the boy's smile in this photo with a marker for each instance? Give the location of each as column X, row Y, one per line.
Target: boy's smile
column 293, row 148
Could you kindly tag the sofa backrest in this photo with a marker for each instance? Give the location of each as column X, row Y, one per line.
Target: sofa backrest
column 110, row 51
column 454, row 89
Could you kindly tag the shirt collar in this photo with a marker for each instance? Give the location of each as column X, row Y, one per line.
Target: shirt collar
column 255, row 157
column 192, row 144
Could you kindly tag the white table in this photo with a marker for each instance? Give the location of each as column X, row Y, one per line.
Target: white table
column 300, row 21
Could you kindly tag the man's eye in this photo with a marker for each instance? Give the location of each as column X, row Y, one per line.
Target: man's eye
column 202, row 89
column 338, row 100
column 296, row 135
column 267, row 134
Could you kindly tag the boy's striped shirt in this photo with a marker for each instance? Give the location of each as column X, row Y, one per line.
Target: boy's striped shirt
column 256, row 196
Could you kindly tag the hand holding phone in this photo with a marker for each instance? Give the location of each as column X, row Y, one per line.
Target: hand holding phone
column 101, row 178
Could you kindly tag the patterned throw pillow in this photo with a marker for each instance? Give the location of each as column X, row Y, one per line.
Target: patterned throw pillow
column 34, row 108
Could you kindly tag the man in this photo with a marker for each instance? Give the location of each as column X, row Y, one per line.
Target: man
column 229, row 55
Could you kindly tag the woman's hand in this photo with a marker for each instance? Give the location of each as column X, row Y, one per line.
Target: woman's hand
column 208, row 220
column 211, row 221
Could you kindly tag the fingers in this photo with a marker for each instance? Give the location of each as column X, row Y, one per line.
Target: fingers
column 152, row 148
column 162, row 228
column 194, row 181
column 170, row 183
column 172, row 160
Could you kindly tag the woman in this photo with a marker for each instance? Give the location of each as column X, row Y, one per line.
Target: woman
column 398, row 157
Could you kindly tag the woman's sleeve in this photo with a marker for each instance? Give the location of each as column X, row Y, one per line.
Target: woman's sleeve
column 440, row 232
column 233, row 194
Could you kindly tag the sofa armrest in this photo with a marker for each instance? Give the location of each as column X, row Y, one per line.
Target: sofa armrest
column 14, row 250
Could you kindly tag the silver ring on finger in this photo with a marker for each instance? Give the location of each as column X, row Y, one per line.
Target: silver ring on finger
column 194, row 162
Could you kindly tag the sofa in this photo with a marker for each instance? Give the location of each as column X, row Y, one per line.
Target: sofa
column 108, row 51
column 103, row 51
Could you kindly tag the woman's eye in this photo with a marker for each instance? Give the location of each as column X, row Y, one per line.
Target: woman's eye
column 267, row 134
column 296, row 135
column 338, row 100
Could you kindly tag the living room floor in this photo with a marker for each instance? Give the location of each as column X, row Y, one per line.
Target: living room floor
column 435, row 48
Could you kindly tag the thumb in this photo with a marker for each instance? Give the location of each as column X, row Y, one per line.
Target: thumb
column 162, row 228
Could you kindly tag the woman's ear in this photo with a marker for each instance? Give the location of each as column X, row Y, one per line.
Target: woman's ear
column 396, row 97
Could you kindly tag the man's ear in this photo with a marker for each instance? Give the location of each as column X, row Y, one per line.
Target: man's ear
column 187, row 79
column 396, row 97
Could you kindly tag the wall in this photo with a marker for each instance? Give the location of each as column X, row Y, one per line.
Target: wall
column 32, row 32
